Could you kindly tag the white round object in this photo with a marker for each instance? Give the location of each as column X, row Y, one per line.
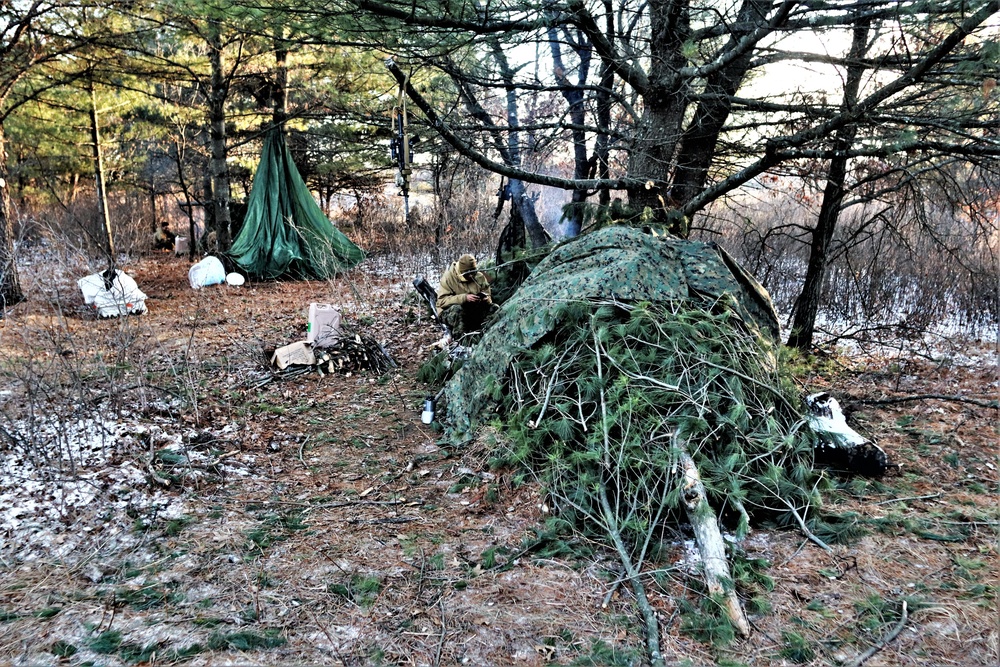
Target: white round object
column 235, row 279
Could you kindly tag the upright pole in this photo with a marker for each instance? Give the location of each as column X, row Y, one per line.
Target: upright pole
column 102, row 195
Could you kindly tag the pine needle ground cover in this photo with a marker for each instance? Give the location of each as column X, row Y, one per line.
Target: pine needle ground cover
column 626, row 408
column 182, row 567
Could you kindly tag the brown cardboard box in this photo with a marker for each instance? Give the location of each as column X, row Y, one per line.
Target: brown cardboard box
column 299, row 354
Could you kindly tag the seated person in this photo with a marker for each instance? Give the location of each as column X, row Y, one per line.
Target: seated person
column 163, row 238
column 463, row 298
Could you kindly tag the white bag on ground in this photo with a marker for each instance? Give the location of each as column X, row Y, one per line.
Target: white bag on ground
column 208, row 271
column 122, row 297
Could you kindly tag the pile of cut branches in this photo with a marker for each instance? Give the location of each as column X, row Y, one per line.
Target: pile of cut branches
column 354, row 352
column 636, row 417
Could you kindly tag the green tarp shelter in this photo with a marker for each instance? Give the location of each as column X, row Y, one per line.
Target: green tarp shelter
column 614, row 264
column 285, row 233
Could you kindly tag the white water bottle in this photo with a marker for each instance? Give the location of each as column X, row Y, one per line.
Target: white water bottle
column 428, row 414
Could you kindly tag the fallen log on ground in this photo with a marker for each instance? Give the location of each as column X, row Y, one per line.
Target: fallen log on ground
column 711, row 545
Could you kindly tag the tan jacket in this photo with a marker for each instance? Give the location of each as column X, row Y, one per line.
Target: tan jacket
column 454, row 287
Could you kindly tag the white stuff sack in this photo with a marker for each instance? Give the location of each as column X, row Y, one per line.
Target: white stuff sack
column 121, row 297
column 208, row 271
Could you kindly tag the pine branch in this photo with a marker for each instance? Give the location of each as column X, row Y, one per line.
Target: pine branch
column 632, row 573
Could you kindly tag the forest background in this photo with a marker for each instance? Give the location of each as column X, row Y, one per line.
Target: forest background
column 844, row 151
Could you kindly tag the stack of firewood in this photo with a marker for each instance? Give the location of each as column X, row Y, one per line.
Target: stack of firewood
column 352, row 353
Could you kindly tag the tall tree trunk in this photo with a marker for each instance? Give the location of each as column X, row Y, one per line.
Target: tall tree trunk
column 279, row 93
column 153, row 222
column 219, row 170
column 807, row 304
column 573, row 94
column 656, row 136
column 10, row 286
column 100, row 185
column 209, row 234
column 602, row 144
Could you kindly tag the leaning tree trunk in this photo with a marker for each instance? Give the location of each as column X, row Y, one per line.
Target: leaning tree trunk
column 698, row 143
column 10, row 286
column 711, row 546
column 807, row 304
column 222, row 217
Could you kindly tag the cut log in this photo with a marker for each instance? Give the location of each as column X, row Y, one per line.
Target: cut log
column 710, row 544
column 840, row 447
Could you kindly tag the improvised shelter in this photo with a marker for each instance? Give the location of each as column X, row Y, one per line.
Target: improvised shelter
column 636, row 377
column 285, row 233
column 613, row 264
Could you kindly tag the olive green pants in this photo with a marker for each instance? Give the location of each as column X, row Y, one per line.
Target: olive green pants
column 466, row 317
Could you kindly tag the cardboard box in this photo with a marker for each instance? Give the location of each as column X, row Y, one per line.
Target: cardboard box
column 299, row 354
column 324, row 324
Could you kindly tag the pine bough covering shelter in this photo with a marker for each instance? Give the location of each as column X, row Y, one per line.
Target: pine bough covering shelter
column 285, row 233
column 612, row 265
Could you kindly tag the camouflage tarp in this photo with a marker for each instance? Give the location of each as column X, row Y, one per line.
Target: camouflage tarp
column 620, row 264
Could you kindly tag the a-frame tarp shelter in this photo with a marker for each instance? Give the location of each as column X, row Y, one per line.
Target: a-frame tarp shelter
column 285, row 232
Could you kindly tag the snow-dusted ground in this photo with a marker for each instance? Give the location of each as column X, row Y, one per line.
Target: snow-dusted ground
column 950, row 343
column 60, row 472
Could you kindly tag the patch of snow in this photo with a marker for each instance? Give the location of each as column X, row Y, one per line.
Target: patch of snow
column 69, row 483
column 690, row 560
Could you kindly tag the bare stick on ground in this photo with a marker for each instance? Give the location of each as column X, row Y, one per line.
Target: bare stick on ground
column 885, row 640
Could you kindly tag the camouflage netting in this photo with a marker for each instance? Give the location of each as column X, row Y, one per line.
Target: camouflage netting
column 614, row 264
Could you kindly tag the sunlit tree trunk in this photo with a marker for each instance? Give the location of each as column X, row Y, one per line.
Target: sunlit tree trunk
column 573, row 94
column 519, row 197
